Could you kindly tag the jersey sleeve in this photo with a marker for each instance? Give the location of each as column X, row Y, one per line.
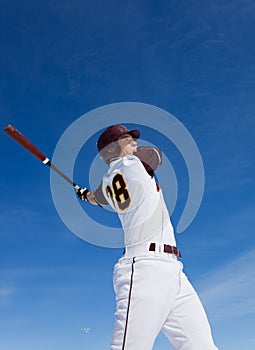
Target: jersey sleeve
column 99, row 196
column 151, row 157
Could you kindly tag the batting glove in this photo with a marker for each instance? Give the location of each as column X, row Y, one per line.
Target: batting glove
column 82, row 194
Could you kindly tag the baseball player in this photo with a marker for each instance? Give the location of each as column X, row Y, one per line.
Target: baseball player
column 152, row 292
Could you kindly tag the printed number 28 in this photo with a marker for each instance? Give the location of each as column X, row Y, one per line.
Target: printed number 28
column 119, row 192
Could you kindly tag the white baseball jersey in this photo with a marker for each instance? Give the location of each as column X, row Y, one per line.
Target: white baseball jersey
column 152, row 292
column 138, row 201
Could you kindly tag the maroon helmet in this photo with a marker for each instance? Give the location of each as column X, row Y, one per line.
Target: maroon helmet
column 109, row 136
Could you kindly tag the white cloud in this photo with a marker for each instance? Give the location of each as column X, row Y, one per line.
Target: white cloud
column 230, row 291
column 6, row 292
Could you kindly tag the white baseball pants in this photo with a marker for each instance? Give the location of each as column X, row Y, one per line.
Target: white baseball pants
column 152, row 295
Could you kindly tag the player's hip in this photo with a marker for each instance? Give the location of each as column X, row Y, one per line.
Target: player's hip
column 153, row 249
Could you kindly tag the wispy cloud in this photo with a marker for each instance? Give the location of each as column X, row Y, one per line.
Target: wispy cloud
column 230, row 291
column 16, row 283
column 6, row 294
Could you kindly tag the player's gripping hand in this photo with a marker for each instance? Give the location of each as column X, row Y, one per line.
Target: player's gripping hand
column 82, row 194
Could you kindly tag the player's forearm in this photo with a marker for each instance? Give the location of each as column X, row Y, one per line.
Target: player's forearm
column 85, row 195
column 94, row 197
column 91, row 198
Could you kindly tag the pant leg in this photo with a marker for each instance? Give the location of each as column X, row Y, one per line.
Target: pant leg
column 145, row 290
column 187, row 326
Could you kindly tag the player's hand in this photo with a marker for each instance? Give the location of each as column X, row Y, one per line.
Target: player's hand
column 82, row 194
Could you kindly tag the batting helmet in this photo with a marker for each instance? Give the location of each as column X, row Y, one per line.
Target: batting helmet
column 106, row 145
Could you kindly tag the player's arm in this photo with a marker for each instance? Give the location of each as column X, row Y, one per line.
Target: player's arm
column 96, row 197
column 151, row 157
column 91, row 198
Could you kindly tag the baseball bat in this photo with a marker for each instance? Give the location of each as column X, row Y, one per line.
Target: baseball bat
column 30, row 147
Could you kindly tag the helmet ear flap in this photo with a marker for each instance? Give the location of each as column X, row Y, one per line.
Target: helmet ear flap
column 110, row 151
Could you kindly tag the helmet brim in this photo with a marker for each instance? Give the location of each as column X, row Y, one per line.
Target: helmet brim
column 134, row 133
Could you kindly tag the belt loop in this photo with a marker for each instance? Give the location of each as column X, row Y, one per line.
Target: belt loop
column 159, row 248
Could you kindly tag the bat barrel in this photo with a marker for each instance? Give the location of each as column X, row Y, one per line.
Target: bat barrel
column 29, row 146
column 23, row 141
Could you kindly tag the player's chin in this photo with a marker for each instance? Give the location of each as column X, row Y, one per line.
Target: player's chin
column 131, row 150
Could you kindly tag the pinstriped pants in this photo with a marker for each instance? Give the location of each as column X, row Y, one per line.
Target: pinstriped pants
column 152, row 295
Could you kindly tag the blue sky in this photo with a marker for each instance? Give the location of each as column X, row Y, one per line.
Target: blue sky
column 60, row 60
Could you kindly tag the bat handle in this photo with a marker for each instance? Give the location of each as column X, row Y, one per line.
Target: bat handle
column 59, row 172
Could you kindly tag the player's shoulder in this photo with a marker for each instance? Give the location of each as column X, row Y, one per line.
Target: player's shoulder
column 129, row 164
column 124, row 161
column 131, row 161
column 149, row 155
